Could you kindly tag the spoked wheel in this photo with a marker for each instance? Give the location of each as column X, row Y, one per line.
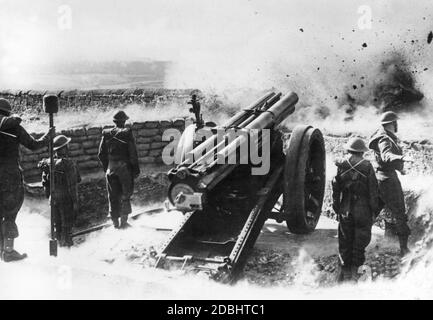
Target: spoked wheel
column 304, row 179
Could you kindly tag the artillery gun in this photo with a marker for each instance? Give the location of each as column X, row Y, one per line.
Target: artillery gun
column 225, row 205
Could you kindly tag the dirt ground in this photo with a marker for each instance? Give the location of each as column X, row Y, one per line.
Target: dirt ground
column 284, row 259
column 281, row 258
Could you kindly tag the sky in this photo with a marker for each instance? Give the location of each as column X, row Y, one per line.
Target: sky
column 225, row 42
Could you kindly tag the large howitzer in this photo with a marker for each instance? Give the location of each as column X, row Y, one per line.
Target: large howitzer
column 225, row 205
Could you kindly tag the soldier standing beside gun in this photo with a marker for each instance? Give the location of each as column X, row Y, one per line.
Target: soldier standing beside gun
column 64, row 197
column 356, row 203
column 389, row 158
column 118, row 155
column 11, row 183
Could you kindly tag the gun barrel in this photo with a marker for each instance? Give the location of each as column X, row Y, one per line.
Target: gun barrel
column 268, row 119
column 266, row 106
column 239, row 117
column 234, row 121
column 276, row 113
column 210, row 155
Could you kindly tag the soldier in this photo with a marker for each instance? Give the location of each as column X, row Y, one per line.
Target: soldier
column 389, row 158
column 64, row 198
column 356, row 203
column 7, row 121
column 12, row 134
column 196, row 107
column 118, row 155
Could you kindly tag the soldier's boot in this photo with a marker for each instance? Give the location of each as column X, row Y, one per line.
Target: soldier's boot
column 340, row 270
column 67, row 237
column 125, row 210
column 345, row 274
column 116, row 223
column 404, row 250
column 340, row 275
column 9, row 254
column 354, row 276
column 60, row 237
column 124, row 222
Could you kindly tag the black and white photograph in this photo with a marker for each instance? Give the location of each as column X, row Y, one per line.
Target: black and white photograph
column 216, row 154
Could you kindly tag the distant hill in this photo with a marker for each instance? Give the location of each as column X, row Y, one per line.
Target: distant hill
column 152, row 69
column 93, row 75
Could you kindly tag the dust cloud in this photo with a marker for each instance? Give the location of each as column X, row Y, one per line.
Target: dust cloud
column 345, row 76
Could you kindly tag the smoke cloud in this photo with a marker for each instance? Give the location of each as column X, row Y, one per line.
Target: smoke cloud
column 338, row 56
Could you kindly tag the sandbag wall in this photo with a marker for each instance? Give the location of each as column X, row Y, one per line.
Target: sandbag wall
column 85, row 142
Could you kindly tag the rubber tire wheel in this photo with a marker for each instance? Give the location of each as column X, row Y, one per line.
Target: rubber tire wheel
column 306, row 146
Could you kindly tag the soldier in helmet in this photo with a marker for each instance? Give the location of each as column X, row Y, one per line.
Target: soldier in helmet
column 356, row 203
column 12, row 135
column 7, row 120
column 389, row 158
column 64, row 197
column 118, row 155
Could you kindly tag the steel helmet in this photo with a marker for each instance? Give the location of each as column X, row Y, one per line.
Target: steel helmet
column 120, row 116
column 5, row 106
column 388, row 117
column 60, row 141
column 356, row 145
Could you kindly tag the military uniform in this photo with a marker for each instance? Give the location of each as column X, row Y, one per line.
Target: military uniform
column 355, row 200
column 389, row 158
column 11, row 182
column 8, row 122
column 118, row 155
column 64, row 197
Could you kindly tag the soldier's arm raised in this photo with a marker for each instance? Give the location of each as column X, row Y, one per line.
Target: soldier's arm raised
column 31, row 143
